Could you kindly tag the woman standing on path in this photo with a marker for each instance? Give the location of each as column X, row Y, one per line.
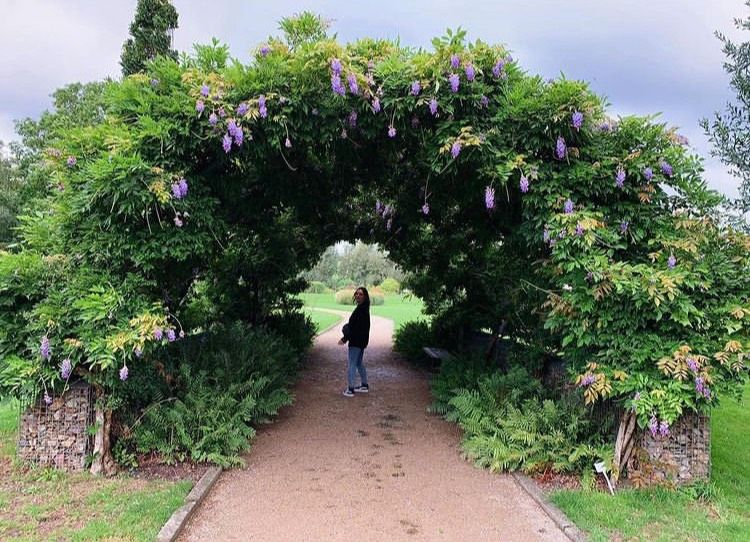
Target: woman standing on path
column 357, row 334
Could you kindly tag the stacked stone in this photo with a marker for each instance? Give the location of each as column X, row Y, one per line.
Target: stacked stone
column 57, row 435
column 684, row 455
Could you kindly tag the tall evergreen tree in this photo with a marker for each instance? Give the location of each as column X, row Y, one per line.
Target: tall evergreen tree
column 729, row 132
column 151, row 35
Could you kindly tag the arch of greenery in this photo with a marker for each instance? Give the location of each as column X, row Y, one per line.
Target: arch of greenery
column 211, row 183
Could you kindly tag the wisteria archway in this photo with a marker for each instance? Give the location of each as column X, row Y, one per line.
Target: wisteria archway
column 507, row 197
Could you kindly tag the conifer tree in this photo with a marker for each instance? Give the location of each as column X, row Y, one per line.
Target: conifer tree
column 151, row 35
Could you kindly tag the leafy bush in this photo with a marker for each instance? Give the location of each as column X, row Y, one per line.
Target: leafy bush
column 317, row 287
column 390, row 286
column 410, row 338
column 228, row 382
column 345, row 297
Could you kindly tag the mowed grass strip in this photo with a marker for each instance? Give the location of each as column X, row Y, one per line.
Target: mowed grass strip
column 45, row 504
column 323, row 320
column 660, row 514
column 400, row 309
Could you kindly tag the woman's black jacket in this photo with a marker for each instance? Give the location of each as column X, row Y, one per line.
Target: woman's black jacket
column 357, row 331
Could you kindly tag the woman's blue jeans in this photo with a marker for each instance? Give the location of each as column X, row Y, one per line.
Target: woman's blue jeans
column 356, row 365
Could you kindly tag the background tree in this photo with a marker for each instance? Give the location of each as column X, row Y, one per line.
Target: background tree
column 729, row 131
column 151, row 32
column 9, row 195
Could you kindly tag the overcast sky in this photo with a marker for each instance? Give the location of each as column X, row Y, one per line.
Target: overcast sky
column 645, row 56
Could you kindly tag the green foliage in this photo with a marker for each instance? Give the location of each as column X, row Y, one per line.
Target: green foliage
column 317, row 287
column 226, row 384
column 728, row 131
column 345, row 264
column 410, row 338
column 390, row 285
column 151, row 35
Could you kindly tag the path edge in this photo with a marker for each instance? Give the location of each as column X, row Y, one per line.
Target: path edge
column 179, row 518
column 568, row 528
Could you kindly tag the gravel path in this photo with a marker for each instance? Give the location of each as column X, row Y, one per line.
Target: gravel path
column 375, row 467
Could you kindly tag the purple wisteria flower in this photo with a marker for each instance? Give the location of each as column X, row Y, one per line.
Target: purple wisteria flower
column 524, row 184
column 620, row 178
column 648, row 173
column 47, row 399
column 213, row 119
column 200, row 106
column 44, row 349
column 226, row 143
column 426, row 208
column 579, row 229
column 288, row 143
column 205, row 91
column 589, row 276
column 124, row 373
column 352, row 118
column 568, row 206
column 71, row 161
column 336, row 66
column 391, row 132
column 416, row 88
column 154, row 82
column 577, row 120
column 484, row 101
column 180, row 189
column 692, row 364
column 489, row 198
column 66, row 368
column 376, row 104
column 239, row 136
column 138, row 352
column 232, row 127
column 415, row 122
column 546, row 236
column 171, row 335
column 242, row 109
column 158, row 334
column 624, row 226
column 702, row 388
column 379, row 207
column 456, row 149
column 387, row 210
column 352, row 80
column 389, row 224
column 262, row 110
column 497, row 69
column 666, row 168
column 264, row 50
column 433, row 107
column 653, row 425
column 453, row 78
column 469, row 71
column 336, row 85
column 561, row 150
column 663, row 428
column 587, row 380
column 455, row 61
column 222, row 113
column 181, row 334
column 671, row 261
column 178, row 221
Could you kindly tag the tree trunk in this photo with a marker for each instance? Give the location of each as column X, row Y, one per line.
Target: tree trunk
column 103, row 462
column 624, row 443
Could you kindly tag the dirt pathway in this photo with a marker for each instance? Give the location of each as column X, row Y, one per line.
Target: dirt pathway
column 375, row 467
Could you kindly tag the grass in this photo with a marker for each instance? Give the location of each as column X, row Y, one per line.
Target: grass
column 45, row 504
column 397, row 308
column 323, row 320
column 659, row 514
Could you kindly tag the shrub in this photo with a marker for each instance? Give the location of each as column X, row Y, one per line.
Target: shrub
column 345, row 297
column 317, row 287
column 410, row 338
column 377, row 299
column 390, row 286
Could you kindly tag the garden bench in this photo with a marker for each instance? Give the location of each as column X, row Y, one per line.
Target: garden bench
column 436, row 355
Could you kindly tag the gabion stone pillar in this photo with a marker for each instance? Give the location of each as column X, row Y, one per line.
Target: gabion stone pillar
column 57, row 435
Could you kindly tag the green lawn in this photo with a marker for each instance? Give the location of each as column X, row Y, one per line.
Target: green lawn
column 322, row 320
column 676, row 515
column 396, row 308
column 44, row 504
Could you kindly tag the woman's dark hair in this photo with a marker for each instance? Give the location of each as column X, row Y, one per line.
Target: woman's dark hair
column 366, row 302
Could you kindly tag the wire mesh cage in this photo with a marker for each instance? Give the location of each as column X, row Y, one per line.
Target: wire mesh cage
column 57, row 435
